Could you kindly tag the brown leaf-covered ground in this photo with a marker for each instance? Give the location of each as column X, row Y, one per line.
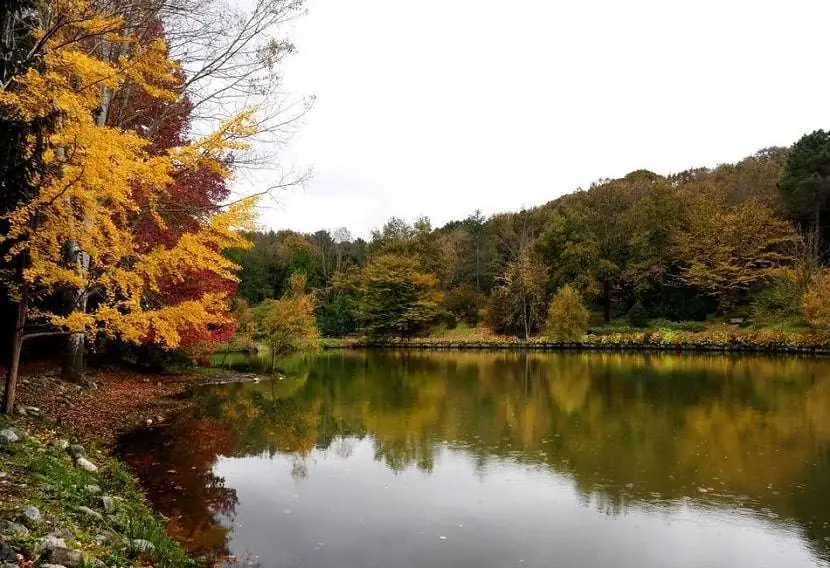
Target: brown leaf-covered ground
column 114, row 400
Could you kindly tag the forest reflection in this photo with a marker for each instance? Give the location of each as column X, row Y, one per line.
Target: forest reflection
column 653, row 430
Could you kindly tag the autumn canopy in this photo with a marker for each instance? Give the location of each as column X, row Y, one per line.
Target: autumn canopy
column 117, row 228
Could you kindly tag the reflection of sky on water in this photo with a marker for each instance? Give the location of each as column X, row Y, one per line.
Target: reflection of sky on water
column 553, row 459
column 341, row 507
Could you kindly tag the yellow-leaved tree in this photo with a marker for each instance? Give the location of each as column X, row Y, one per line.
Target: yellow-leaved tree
column 567, row 316
column 75, row 236
column 724, row 251
column 288, row 324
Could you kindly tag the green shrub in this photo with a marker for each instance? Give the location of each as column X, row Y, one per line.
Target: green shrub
column 567, row 316
column 464, row 304
column 336, row 313
column 637, row 316
column 450, row 321
column 602, row 330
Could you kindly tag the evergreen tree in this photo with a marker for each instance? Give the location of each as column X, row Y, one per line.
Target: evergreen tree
column 805, row 185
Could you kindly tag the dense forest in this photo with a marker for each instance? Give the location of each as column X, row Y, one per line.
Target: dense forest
column 743, row 241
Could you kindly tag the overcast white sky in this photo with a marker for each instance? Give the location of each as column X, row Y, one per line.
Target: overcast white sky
column 439, row 107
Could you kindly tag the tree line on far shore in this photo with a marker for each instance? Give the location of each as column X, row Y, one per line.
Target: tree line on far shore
column 739, row 242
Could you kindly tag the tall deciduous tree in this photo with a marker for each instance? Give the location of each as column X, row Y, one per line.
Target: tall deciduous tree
column 396, row 298
column 194, row 193
column 724, row 252
column 519, row 301
column 87, row 195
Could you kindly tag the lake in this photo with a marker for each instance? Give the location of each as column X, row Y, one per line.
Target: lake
column 495, row 459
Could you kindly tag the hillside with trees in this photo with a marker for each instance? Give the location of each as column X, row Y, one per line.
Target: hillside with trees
column 740, row 242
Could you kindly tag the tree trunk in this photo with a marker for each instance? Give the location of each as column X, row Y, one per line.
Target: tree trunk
column 478, row 277
column 17, row 348
column 73, row 359
column 817, row 233
column 606, row 302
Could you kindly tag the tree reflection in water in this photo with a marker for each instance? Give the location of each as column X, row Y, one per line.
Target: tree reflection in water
column 626, row 428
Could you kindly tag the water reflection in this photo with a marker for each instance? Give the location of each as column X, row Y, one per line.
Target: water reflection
column 599, row 459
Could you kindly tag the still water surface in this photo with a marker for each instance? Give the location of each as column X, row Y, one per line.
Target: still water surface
column 421, row 459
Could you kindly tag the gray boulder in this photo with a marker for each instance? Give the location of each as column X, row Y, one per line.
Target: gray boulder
column 16, row 529
column 51, row 542
column 84, row 463
column 32, row 513
column 7, row 553
column 109, row 504
column 67, row 557
column 92, row 489
column 8, row 436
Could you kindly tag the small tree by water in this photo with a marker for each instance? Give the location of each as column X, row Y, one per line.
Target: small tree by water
column 567, row 316
column 288, row 324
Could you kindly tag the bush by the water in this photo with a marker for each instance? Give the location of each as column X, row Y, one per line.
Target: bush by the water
column 664, row 324
column 567, row 315
column 817, row 302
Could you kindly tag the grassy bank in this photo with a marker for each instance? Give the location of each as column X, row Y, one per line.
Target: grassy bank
column 722, row 338
column 72, row 505
column 84, row 518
